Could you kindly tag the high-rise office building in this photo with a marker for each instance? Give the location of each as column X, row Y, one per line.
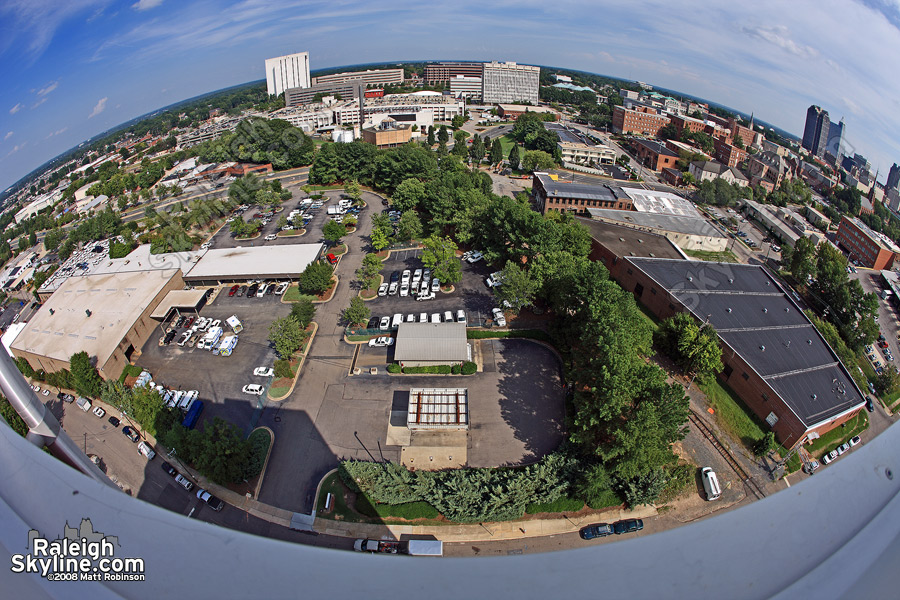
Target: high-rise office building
column 815, row 134
column 445, row 71
column 283, row 72
column 893, row 180
column 835, row 137
column 504, row 83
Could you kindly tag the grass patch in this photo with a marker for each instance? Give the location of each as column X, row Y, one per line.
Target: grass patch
column 535, row 334
column 732, row 414
column 279, row 391
column 340, row 511
column 726, row 256
column 506, row 142
column 652, row 320
column 560, row 505
column 129, row 371
column 839, row 435
column 408, row 511
column 605, row 500
column 292, row 294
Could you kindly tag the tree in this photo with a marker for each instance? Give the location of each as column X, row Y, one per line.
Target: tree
column 410, row 226
column 439, row 255
column 477, row 151
column 32, row 239
column 801, row 263
column 369, row 270
column 536, row 160
column 286, row 335
column 357, row 312
column 460, row 137
column 304, row 311
column 316, row 278
column 379, row 239
column 85, row 377
column 352, row 189
column 431, row 135
column 460, row 149
column 514, row 157
column 408, row 195
column 765, row 445
column 518, row 288
column 333, row 231
column 738, row 142
column 496, row 152
column 443, row 135
column 282, row 222
column 695, row 348
column 9, row 414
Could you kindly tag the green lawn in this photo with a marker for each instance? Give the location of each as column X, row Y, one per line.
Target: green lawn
column 732, row 414
column 652, row 320
column 369, row 512
column 839, row 435
column 506, row 142
column 726, row 256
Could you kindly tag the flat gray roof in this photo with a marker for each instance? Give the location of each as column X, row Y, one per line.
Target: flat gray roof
column 586, row 191
column 435, row 342
column 754, row 316
column 255, row 262
column 62, row 326
column 662, row 222
column 627, row 241
column 177, row 299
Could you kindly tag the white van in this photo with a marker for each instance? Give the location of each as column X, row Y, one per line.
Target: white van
column 710, row 484
column 145, row 449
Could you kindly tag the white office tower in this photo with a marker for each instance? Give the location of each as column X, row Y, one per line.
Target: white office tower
column 504, row 83
column 283, row 72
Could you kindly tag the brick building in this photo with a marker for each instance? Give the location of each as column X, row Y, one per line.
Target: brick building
column 691, row 124
column 639, row 121
column 564, row 196
column 774, row 358
column 728, row 154
column 653, row 155
column 746, row 134
column 867, row 247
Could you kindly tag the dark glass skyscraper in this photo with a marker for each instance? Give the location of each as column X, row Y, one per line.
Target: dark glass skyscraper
column 815, row 134
column 893, row 180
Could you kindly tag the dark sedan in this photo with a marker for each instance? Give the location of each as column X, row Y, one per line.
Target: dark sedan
column 130, row 433
column 627, row 526
column 597, row 530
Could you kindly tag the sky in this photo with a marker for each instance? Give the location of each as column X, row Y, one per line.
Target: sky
column 74, row 68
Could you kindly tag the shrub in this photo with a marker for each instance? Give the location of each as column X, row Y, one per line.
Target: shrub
column 534, row 334
column 24, row 367
column 455, row 369
column 468, row 368
column 432, row 370
column 129, row 371
column 393, row 368
column 560, row 505
column 283, row 369
column 259, row 440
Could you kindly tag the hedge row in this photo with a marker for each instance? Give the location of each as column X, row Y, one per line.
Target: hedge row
column 534, row 334
column 467, row 368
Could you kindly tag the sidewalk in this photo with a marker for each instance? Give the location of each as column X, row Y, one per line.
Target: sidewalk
column 505, row 530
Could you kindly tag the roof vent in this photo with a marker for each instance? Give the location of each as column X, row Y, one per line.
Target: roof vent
column 814, row 397
column 52, row 311
column 652, row 255
column 640, row 241
column 87, row 311
column 762, row 348
column 690, row 278
column 809, row 342
column 728, row 310
column 621, row 239
column 768, row 282
column 731, row 280
column 765, row 310
column 786, row 309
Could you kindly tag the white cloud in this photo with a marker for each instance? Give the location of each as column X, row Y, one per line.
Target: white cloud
column 38, row 21
column 38, row 103
column 16, row 148
column 19, row 106
column 99, row 108
column 48, row 88
column 146, row 4
column 781, row 37
column 7, row 136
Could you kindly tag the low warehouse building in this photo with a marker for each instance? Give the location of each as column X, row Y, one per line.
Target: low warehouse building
column 431, row 344
column 240, row 265
column 108, row 316
column 773, row 356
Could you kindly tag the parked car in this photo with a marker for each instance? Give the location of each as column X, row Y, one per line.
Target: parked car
column 383, row 289
column 262, row 290
column 810, row 467
column 242, row 290
column 184, row 338
column 842, row 448
column 233, row 290
column 395, row 322
column 392, row 288
column 263, row 371
column 410, row 318
column 130, row 433
column 99, row 412
column 271, row 237
column 423, row 317
column 213, row 502
column 597, row 530
column 253, row 388
column 627, row 526
column 854, row 441
column 381, row 342
column 184, row 482
column 460, row 316
column 435, row 286
column 404, row 290
column 282, row 288
column 870, row 406
column 829, row 457
column 332, row 258
column 499, row 317
column 169, row 469
column 385, row 323
column 113, row 421
column 448, row 316
column 146, row 450
column 436, row 317
column 405, row 277
column 474, row 257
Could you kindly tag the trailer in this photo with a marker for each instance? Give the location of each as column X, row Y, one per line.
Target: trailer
column 83, row 403
column 412, row 547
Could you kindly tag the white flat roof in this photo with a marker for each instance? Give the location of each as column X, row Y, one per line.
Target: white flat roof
column 664, row 203
column 255, row 262
column 62, row 326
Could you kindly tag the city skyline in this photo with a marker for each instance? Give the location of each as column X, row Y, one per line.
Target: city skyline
column 79, row 69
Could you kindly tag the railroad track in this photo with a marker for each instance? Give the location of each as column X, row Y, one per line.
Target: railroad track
column 748, row 481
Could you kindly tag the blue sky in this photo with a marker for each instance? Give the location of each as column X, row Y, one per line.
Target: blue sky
column 73, row 68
